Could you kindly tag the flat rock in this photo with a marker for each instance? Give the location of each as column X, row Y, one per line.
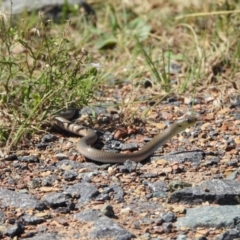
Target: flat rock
column 55, row 200
column 103, row 227
column 76, row 165
column 19, row 200
column 211, row 217
column 47, row 236
column 194, row 157
column 83, row 191
column 214, row 191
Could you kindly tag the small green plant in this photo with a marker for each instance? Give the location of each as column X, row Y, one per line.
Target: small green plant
column 39, row 75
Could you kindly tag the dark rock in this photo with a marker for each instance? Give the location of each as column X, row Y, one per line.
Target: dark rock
column 102, row 197
column 55, row 200
column 211, row 217
column 11, row 157
column 168, row 217
column 70, row 175
column 108, row 211
column 147, row 83
column 232, row 234
column 20, row 200
column 84, row 191
column 41, row 145
column 48, row 138
column 216, row 190
column 14, row 230
column 32, row 220
column 29, row 159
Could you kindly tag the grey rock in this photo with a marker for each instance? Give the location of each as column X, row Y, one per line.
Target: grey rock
column 130, row 146
column 55, row 200
column 128, row 166
column 233, row 163
column 233, row 175
column 182, row 237
column 77, row 165
column 211, row 217
column 29, row 159
column 216, row 190
column 86, row 177
column 118, row 192
column 149, row 175
column 32, row 220
column 90, row 215
column 49, row 180
column 14, row 230
column 167, row 227
column 173, row 68
column 34, row 183
column 195, row 157
column 143, row 206
column 159, row 188
column 232, row 234
column 168, row 217
column 48, row 236
column 84, row 191
column 2, row 217
column 93, row 110
column 106, row 228
column 20, row 200
column 60, row 156
column 70, row 175
column 211, row 161
column 112, row 145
